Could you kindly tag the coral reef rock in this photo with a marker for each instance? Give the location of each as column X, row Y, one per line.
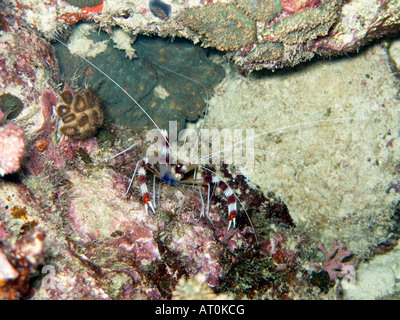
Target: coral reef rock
column 223, row 25
column 310, row 115
column 196, row 288
column 305, row 27
column 166, row 88
column 25, row 72
column 326, row 164
column 19, row 262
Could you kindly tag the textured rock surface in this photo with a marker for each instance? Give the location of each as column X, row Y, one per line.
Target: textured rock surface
column 259, row 10
column 96, row 243
column 307, row 24
column 335, row 176
column 25, row 71
column 222, row 25
column 394, row 53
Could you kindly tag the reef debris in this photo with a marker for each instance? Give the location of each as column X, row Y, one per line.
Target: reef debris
column 84, row 9
column 271, row 271
column 196, row 288
column 337, row 260
column 18, row 262
column 118, row 252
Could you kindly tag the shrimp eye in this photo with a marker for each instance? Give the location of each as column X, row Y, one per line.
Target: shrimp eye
column 179, row 168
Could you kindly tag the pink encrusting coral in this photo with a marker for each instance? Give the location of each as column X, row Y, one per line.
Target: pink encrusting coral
column 335, row 260
column 292, row 6
column 12, row 148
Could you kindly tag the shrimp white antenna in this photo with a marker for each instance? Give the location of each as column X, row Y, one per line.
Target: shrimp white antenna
column 278, row 129
column 133, row 176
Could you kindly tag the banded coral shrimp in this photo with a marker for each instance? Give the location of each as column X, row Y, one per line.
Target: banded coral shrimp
column 314, row 205
column 174, row 181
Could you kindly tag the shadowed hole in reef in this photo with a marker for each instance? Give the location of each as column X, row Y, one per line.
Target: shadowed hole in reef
column 10, row 105
column 165, row 95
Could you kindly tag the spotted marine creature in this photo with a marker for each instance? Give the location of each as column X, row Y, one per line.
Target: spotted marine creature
column 160, row 9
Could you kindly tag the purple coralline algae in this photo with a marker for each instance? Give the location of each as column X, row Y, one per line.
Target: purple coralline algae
column 93, row 242
column 100, row 244
column 336, row 260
